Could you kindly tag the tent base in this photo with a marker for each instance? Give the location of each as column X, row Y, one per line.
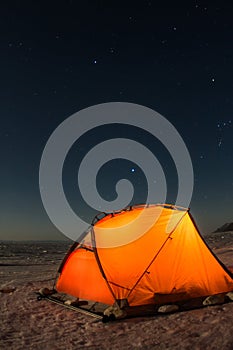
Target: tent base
column 108, row 313
column 61, row 300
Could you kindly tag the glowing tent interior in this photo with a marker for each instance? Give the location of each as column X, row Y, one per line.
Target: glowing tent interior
column 150, row 254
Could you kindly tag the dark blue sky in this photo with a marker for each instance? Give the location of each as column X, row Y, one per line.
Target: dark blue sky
column 58, row 58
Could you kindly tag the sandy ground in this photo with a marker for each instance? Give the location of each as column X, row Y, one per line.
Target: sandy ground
column 26, row 323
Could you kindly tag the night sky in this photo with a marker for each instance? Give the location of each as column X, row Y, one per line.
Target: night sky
column 60, row 57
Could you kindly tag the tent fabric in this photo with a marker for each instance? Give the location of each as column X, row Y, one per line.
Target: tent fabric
column 147, row 255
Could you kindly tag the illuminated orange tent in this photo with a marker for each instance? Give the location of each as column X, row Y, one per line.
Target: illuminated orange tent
column 149, row 254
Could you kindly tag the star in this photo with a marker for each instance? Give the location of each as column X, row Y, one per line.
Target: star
column 225, row 124
column 94, row 61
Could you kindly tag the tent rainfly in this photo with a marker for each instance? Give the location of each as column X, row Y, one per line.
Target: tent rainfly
column 149, row 254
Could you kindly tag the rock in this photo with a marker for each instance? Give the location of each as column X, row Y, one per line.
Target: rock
column 76, row 302
column 230, row 296
column 46, row 291
column 7, row 289
column 115, row 312
column 214, row 299
column 168, row 308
